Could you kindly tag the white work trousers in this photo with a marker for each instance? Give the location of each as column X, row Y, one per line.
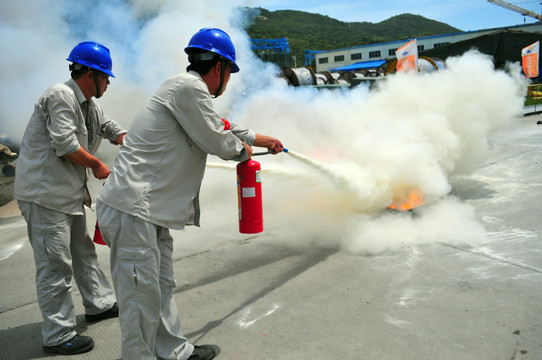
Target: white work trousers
column 143, row 277
column 63, row 249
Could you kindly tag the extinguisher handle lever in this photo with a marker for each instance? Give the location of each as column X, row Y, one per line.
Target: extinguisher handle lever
column 262, row 153
column 268, row 152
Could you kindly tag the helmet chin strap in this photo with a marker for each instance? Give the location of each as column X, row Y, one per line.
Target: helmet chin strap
column 75, row 66
column 222, row 74
column 98, row 92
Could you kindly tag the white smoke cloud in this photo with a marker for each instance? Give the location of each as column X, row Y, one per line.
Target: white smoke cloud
column 368, row 148
column 448, row 222
column 146, row 39
column 31, row 55
column 364, row 148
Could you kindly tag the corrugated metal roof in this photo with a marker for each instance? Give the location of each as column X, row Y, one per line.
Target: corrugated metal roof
column 361, row 65
column 512, row 27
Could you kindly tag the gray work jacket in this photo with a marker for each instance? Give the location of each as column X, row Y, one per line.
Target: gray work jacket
column 56, row 128
column 158, row 172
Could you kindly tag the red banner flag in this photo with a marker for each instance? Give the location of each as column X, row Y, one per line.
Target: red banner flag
column 529, row 60
column 407, row 57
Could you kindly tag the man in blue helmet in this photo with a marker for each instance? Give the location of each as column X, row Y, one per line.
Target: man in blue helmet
column 57, row 148
column 154, row 187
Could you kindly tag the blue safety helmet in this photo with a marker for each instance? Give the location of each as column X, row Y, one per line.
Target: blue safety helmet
column 215, row 41
column 94, row 55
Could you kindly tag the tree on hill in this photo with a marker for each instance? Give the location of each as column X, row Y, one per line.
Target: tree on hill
column 319, row 32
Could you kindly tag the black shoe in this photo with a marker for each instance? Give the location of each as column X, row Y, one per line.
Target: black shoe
column 76, row 345
column 108, row 314
column 203, row 352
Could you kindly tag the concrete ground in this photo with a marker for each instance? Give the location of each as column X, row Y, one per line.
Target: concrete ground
column 257, row 299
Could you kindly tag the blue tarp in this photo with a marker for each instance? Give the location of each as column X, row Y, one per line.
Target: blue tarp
column 361, row 65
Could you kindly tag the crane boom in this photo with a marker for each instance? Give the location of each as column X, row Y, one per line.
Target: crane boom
column 516, row 8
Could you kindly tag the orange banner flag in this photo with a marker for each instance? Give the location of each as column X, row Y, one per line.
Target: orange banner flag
column 529, row 60
column 407, row 57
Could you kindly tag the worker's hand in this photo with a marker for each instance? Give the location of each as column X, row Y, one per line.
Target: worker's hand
column 247, row 148
column 101, row 171
column 120, row 139
column 82, row 157
column 273, row 145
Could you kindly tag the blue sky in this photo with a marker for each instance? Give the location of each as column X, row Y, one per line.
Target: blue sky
column 466, row 15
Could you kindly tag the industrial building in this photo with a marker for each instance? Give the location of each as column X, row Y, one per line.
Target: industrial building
column 333, row 60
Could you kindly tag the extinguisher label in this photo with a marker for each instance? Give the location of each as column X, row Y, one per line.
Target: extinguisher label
column 258, row 178
column 249, row 192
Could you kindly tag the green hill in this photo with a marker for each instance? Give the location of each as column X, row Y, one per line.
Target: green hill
column 318, row 32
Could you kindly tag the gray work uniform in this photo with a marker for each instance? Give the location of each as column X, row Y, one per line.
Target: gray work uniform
column 50, row 191
column 154, row 187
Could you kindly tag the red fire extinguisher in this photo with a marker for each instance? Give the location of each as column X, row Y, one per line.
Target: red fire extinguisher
column 98, row 239
column 249, row 196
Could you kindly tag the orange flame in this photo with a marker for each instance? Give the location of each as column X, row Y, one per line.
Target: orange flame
column 415, row 199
